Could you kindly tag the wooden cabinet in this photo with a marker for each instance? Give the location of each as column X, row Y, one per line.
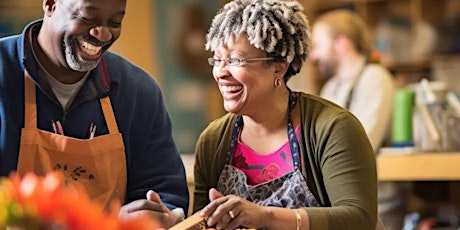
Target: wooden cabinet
column 411, row 59
column 372, row 11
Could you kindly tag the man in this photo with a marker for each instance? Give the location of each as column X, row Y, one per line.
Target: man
column 68, row 104
column 342, row 52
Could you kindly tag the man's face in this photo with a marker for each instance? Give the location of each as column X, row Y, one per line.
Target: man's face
column 323, row 53
column 80, row 31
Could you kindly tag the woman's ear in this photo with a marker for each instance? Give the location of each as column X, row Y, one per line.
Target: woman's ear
column 281, row 68
column 49, row 6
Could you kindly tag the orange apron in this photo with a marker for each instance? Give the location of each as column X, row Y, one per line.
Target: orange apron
column 98, row 163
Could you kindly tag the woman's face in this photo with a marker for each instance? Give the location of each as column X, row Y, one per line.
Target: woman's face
column 248, row 87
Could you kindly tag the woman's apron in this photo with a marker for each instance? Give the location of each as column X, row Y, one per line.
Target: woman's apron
column 97, row 163
column 288, row 191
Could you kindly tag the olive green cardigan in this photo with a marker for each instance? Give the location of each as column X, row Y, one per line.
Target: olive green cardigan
column 337, row 159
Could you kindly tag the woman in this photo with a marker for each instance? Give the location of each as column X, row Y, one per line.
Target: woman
column 279, row 159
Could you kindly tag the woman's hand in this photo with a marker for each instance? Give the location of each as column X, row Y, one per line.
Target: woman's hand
column 231, row 212
column 153, row 207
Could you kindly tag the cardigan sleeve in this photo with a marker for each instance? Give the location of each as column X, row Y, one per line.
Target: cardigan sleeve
column 210, row 159
column 343, row 166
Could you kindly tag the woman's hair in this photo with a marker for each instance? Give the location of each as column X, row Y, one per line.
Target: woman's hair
column 278, row 27
column 350, row 25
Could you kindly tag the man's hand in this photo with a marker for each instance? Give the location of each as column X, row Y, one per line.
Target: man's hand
column 153, row 207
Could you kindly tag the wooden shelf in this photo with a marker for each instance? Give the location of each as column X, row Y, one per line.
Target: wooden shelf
column 419, row 167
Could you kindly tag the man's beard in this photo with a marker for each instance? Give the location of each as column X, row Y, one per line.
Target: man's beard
column 75, row 61
column 327, row 69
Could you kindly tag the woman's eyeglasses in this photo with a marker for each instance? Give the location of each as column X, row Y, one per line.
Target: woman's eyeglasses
column 235, row 61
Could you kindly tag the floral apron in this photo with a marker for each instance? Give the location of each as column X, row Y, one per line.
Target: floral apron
column 288, row 191
column 97, row 163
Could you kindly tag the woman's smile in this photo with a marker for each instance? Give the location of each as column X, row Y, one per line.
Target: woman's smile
column 230, row 92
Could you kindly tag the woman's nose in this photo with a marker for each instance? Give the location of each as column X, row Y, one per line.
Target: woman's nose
column 221, row 71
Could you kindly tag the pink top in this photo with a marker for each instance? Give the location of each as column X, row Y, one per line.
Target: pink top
column 262, row 168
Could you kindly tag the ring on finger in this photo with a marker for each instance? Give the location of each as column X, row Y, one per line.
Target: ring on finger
column 232, row 215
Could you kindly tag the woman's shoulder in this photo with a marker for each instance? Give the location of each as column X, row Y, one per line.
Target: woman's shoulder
column 220, row 122
column 214, row 138
column 322, row 112
column 316, row 103
column 217, row 128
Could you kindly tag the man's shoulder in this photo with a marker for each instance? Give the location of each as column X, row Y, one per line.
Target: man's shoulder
column 121, row 68
column 132, row 79
column 117, row 61
column 376, row 77
column 8, row 39
column 10, row 54
column 12, row 41
column 9, row 44
column 377, row 70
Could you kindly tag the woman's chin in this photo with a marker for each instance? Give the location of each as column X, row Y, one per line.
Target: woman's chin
column 232, row 108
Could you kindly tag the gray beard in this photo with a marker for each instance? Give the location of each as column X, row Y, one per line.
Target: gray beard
column 326, row 73
column 77, row 63
column 328, row 70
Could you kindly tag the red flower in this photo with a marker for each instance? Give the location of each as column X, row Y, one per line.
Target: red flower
column 45, row 202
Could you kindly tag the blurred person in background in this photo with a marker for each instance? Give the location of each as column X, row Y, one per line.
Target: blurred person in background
column 342, row 51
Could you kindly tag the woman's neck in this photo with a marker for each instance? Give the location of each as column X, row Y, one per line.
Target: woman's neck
column 271, row 118
column 266, row 133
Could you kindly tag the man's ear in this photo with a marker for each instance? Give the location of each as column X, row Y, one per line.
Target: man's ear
column 49, row 6
column 342, row 42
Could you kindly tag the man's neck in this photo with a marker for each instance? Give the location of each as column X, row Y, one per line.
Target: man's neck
column 349, row 63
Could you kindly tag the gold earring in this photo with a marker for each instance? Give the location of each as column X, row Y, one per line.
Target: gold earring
column 277, row 82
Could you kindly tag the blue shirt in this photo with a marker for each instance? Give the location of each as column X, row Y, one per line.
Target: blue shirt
column 152, row 158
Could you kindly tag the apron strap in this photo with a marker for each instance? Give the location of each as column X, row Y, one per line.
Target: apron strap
column 292, row 138
column 30, row 107
column 108, row 114
column 107, row 105
column 353, row 86
column 30, row 120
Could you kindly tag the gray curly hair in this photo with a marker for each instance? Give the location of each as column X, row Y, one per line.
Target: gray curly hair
column 279, row 27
